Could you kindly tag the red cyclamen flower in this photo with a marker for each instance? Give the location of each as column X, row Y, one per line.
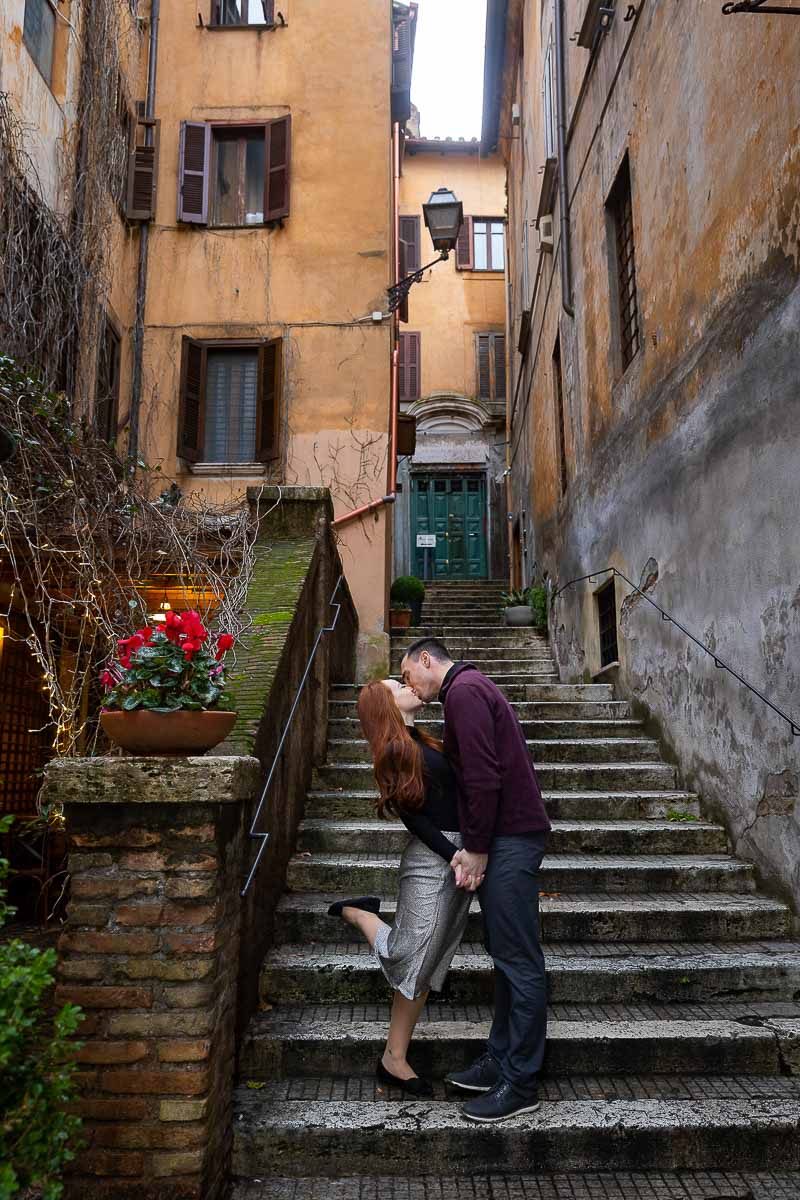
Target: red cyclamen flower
column 224, row 643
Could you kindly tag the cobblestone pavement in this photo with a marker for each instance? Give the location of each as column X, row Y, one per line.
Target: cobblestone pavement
column 704, row 1185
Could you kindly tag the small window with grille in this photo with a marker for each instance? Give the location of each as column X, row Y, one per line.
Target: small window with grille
column 607, row 621
column 619, row 207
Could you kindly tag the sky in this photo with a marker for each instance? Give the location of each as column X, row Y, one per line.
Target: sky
column 447, row 85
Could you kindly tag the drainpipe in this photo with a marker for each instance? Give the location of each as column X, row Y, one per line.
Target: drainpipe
column 563, row 194
column 394, row 403
column 144, row 243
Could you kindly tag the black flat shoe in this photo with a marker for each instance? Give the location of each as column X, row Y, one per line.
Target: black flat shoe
column 366, row 903
column 412, row 1087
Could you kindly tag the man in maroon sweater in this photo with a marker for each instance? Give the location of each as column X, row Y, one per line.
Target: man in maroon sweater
column 504, row 828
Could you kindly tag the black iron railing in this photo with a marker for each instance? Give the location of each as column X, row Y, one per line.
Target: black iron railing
column 718, row 662
column 254, row 832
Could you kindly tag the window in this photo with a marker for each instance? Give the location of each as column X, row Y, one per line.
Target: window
column 234, row 175
column 491, row 355
column 558, row 395
column 410, row 367
column 620, row 212
column 409, row 233
column 488, row 236
column 243, row 12
column 607, row 621
column 548, row 108
column 230, row 401
column 106, row 407
column 39, row 32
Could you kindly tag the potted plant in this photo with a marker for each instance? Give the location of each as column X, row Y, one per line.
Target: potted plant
column 165, row 692
column 517, row 606
column 538, row 603
column 399, row 615
column 407, row 589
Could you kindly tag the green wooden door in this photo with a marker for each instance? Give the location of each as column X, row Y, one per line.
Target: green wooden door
column 453, row 509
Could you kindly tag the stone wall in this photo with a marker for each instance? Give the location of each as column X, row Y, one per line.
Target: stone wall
column 151, row 954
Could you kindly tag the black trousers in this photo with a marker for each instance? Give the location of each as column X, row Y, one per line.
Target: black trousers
column 509, row 899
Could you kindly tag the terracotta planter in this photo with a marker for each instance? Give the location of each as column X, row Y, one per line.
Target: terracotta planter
column 399, row 618
column 172, row 735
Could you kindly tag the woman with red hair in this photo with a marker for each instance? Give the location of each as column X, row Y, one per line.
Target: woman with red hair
column 416, row 784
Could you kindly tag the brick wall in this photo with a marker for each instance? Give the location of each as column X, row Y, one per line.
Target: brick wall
column 151, row 954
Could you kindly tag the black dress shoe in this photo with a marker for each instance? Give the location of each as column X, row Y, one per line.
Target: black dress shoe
column 412, row 1087
column 500, row 1104
column 367, row 903
column 482, row 1076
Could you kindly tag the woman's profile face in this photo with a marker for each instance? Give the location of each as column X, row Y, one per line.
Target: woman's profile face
column 406, row 700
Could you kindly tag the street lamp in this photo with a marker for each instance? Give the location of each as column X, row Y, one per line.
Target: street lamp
column 444, row 216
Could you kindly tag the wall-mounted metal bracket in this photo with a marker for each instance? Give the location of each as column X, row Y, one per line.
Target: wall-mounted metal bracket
column 760, row 6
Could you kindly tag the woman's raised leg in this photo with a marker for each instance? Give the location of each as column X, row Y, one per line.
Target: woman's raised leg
column 367, row 922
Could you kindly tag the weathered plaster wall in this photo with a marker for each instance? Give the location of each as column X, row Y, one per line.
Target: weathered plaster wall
column 309, row 282
column 686, row 463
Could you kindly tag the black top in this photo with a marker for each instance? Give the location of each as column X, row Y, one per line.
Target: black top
column 440, row 810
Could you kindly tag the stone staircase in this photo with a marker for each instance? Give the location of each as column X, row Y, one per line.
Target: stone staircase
column 674, row 1038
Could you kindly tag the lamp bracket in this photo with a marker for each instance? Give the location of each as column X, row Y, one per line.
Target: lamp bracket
column 398, row 291
column 760, row 6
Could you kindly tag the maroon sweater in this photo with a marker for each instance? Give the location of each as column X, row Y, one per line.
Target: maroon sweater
column 498, row 790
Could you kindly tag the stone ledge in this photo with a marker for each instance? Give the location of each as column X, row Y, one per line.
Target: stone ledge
column 202, row 780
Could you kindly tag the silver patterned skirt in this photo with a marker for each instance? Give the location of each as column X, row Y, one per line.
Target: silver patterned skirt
column 416, row 950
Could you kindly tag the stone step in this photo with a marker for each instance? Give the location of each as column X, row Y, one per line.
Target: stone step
column 729, row 1127
column 559, row 1185
column 463, row 642
column 564, row 692
column 559, row 777
column 279, row 1045
column 630, row 805
column 557, row 710
column 567, row 837
column 345, row 728
column 542, row 750
column 601, row 917
column 373, row 874
column 495, row 659
column 577, row 973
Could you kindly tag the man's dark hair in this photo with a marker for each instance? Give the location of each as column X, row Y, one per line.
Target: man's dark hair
column 432, row 646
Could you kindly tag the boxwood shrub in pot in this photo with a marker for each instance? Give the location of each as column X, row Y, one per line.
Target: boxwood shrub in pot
column 407, row 589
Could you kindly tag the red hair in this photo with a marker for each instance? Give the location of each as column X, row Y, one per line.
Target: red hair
column 397, row 758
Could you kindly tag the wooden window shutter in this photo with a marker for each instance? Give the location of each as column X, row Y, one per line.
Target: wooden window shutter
column 413, row 366
column 140, row 202
column 194, row 171
column 484, row 366
column 401, row 70
column 402, row 271
column 499, row 366
column 269, row 401
column 277, row 176
column 410, row 234
column 402, row 356
column 464, row 255
column 191, row 420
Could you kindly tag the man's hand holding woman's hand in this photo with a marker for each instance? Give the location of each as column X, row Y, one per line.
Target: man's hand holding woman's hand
column 469, row 868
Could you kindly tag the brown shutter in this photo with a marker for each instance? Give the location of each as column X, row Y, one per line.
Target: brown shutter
column 269, row 401
column 278, row 159
column 193, row 172
column 409, row 232
column 413, row 365
column 192, row 401
column 402, row 356
column 142, row 178
column 499, row 366
column 402, row 271
column 484, row 366
column 464, row 257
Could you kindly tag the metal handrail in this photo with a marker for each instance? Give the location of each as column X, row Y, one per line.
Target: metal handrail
column 254, row 833
column 718, row 662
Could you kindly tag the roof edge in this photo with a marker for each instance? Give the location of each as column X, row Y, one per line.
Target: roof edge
column 493, row 65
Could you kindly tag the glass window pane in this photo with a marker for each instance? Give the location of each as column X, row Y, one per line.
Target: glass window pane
column 498, row 247
column 233, row 12
column 255, row 15
column 254, row 180
column 231, row 400
column 226, row 182
column 481, row 243
column 39, row 32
